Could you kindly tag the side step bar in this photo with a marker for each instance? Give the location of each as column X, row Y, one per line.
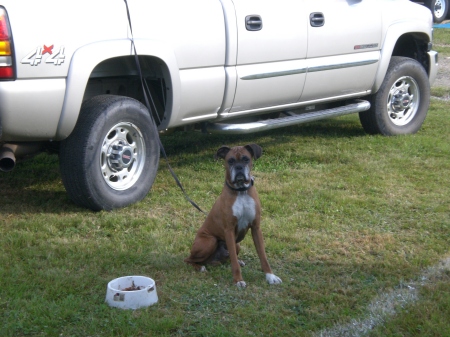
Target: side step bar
column 270, row 124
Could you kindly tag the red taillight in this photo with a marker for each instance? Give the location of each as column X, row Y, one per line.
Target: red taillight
column 6, row 55
column 6, row 72
column 4, row 34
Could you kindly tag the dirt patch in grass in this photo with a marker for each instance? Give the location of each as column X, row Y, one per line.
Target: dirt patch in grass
column 443, row 75
column 442, row 46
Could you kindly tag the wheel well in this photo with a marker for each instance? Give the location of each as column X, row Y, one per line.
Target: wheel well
column 414, row 46
column 119, row 76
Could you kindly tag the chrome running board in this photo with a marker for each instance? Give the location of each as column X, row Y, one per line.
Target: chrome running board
column 292, row 119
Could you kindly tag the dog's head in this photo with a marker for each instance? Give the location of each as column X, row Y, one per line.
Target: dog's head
column 238, row 163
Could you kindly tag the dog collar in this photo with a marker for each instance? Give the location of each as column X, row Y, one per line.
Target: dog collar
column 241, row 189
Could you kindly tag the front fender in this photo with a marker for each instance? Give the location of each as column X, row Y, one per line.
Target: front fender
column 393, row 33
column 86, row 58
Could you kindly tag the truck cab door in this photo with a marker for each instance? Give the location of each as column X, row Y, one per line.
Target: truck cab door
column 344, row 41
column 271, row 52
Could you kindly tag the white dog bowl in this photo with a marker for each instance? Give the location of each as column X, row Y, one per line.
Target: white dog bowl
column 131, row 292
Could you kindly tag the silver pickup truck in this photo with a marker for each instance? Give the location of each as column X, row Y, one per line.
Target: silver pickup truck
column 100, row 78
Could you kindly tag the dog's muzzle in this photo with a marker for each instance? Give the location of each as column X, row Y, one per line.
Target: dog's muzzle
column 240, row 178
column 240, row 175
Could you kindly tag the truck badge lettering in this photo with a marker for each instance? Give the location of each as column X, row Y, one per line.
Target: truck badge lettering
column 366, row 46
column 34, row 58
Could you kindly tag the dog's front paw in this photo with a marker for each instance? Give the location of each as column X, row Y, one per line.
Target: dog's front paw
column 241, row 263
column 273, row 279
column 241, row 284
column 202, row 269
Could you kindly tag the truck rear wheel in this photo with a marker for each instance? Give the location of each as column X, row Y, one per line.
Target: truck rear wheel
column 401, row 104
column 439, row 9
column 111, row 158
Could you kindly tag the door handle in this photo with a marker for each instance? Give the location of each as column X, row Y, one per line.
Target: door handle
column 316, row 19
column 253, row 22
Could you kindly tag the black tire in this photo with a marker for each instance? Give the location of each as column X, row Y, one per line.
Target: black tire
column 401, row 104
column 111, row 158
column 439, row 9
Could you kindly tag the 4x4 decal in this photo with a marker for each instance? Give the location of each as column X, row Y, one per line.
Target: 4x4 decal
column 36, row 56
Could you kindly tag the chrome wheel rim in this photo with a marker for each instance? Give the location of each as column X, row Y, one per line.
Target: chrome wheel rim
column 122, row 156
column 439, row 8
column 403, row 101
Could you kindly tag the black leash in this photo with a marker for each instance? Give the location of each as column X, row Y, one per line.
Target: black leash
column 147, row 94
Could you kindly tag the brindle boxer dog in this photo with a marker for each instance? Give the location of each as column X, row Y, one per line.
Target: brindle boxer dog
column 237, row 210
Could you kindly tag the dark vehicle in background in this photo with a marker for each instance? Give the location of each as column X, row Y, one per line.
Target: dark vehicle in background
column 439, row 8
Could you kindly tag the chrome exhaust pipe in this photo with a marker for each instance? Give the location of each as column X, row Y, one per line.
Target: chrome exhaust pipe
column 9, row 152
column 7, row 157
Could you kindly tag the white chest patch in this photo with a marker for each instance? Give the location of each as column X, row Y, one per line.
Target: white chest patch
column 244, row 211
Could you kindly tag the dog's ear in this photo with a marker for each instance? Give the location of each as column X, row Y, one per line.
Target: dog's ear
column 222, row 152
column 255, row 150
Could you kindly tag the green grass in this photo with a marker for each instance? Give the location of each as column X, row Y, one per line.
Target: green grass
column 347, row 217
column 440, row 39
column 441, row 92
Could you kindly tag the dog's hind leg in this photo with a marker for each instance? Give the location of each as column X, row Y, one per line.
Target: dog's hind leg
column 201, row 251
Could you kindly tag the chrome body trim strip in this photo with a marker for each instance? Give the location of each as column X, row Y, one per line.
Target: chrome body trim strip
column 275, row 74
column 341, row 66
column 309, row 70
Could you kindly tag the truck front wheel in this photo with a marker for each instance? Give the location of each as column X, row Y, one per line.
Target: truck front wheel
column 401, row 104
column 111, row 158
